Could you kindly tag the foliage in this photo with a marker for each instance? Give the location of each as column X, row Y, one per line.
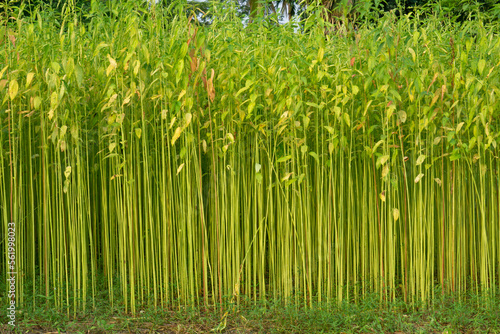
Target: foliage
column 213, row 165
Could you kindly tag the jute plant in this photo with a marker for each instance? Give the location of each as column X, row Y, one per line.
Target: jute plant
column 201, row 166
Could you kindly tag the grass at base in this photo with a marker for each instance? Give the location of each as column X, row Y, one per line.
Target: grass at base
column 447, row 315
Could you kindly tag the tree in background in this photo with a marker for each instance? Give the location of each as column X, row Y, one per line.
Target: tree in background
column 340, row 14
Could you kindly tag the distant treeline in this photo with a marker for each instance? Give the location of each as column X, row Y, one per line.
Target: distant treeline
column 459, row 9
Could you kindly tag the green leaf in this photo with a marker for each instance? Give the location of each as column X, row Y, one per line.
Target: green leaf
column 329, row 129
column 480, row 66
column 374, row 149
column 395, row 94
column 241, row 91
column 347, row 119
column 56, row 67
column 138, row 132
column 455, row 155
column 70, row 66
column 79, row 75
column 315, row 156
column 283, row 159
column 306, row 120
column 312, row 104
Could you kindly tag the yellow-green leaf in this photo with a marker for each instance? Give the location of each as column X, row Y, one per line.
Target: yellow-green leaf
column 112, row 65
column 382, row 160
column 395, row 214
column 321, row 53
column 67, row 172
column 53, row 100
column 188, row 117
column 36, row 102
column 347, row 119
column 79, row 75
column 330, row 129
column 3, row 71
column 283, row 159
column 182, row 93
column 176, row 135
column 164, row 114
column 138, row 132
column 63, row 145
column 13, row 89
column 412, row 52
column 29, row 78
column 251, row 105
column 70, row 66
column 385, row 170
column 420, row 159
column 137, row 66
column 180, row 168
column 402, row 116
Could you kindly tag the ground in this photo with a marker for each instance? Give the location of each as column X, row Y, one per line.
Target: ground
column 446, row 316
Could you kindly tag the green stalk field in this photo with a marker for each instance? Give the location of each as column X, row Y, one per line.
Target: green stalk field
column 209, row 165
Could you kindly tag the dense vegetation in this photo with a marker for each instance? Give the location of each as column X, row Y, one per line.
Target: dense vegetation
column 210, row 165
